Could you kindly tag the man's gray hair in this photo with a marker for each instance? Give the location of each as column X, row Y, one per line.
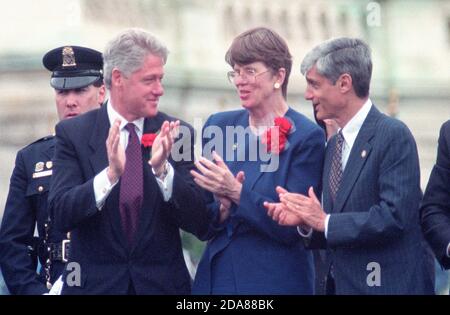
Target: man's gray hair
column 342, row 55
column 128, row 50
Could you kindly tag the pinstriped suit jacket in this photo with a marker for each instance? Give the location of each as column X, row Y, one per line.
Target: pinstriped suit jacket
column 374, row 239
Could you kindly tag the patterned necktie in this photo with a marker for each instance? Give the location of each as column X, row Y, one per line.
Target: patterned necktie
column 336, row 166
column 132, row 185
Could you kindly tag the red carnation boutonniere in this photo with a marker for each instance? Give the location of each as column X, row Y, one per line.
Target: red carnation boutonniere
column 148, row 139
column 282, row 126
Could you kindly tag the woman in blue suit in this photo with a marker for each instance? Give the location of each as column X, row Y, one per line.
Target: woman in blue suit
column 247, row 153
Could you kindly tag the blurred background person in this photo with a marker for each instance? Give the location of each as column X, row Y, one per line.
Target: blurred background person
column 329, row 126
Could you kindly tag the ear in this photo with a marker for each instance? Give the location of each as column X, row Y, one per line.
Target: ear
column 101, row 94
column 280, row 76
column 345, row 82
column 116, row 77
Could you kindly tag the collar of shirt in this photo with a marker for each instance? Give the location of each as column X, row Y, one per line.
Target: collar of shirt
column 351, row 130
column 113, row 115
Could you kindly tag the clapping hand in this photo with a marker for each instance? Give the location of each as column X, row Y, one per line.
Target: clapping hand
column 225, row 203
column 217, row 178
column 162, row 145
column 297, row 209
column 281, row 213
column 116, row 153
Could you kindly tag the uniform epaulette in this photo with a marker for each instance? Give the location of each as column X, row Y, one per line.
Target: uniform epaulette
column 46, row 138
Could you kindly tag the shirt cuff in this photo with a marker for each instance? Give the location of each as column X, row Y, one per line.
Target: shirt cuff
column 166, row 184
column 57, row 287
column 448, row 250
column 327, row 219
column 305, row 231
column 102, row 188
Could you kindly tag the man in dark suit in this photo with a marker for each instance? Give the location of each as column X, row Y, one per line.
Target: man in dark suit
column 78, row 83
column 435, row 210
column 118, row 187
column 369, row 217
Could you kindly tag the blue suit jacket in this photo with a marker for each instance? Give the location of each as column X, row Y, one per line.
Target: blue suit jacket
column 155, row 263
column 436, row 201
column 375, row 217
column 26, row 207
column 250, row 251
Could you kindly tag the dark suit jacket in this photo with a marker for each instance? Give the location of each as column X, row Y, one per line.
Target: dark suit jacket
column 250, row 253
column 436, row 201
column 375, row 217
column 26, row 207
column 155, row 263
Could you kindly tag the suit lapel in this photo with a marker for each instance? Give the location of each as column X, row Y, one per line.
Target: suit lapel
column 251, row 168
column 113, row 210
column 255, row 169
column 358, row 157
column 99, row 161
column 99, row 158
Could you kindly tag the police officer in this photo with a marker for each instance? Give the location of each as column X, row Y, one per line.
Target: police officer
column 78, row 83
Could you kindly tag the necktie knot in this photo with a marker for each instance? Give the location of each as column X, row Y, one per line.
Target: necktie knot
column 339, row 139
column 130, row 127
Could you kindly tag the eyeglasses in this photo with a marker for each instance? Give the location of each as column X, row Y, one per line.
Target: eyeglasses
column 247, row 74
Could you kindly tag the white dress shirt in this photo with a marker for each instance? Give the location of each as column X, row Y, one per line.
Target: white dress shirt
column 102, row 185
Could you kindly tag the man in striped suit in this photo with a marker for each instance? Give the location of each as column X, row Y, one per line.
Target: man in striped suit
column 369, row 217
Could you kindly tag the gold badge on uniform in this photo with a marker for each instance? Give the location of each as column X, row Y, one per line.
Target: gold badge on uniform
column 39, row 166
column 68, row 57
column 49, row 164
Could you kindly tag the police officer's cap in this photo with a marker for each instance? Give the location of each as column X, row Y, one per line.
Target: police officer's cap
column 73, row 67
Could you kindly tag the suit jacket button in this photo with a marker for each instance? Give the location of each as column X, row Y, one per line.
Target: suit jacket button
column 40, row 189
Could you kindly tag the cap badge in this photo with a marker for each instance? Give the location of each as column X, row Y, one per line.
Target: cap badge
column 68, row 57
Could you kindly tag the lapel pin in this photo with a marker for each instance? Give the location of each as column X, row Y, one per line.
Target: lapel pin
column 49, row 164
column 363, row 153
